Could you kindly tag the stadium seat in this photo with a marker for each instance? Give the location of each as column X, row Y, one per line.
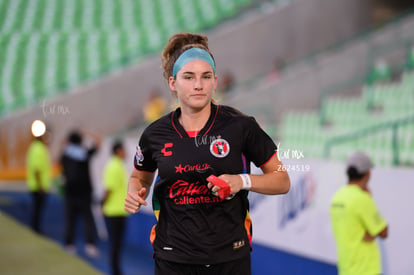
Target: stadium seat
column 49, row 46
column 380, row 71
column 410, row 59
column 379, row 104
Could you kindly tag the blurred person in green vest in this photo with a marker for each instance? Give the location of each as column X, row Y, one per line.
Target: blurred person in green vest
column 115, row 182
column 356, row 221
column 38, row 172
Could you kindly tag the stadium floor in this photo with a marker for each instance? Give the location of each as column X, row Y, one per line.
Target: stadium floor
column 17, row 205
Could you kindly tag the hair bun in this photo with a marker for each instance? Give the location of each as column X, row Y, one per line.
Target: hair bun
column 178, row 43
column 198, row 39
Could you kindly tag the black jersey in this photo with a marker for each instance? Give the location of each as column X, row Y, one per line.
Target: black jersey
column 194, row 226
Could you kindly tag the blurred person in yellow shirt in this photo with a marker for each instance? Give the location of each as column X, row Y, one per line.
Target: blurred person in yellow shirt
column 356, row 221
column 115, row 182
column 38, row 172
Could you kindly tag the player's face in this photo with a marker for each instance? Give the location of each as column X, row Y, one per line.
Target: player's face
column 194, row 84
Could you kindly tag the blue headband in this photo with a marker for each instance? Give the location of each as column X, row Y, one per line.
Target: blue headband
column 191, row 55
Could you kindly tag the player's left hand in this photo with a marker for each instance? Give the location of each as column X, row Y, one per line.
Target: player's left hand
column 234, row 181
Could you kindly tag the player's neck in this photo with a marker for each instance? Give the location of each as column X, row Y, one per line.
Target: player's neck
column 194, row 120
column 359, row 183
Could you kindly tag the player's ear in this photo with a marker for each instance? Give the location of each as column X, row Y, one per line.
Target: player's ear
column 171, row 84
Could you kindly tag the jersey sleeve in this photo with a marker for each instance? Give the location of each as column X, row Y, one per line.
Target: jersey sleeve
column 258, row 146
column 370, row 216
column 143, row 160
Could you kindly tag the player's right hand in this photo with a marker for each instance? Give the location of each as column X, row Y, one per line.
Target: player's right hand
column 134, row 200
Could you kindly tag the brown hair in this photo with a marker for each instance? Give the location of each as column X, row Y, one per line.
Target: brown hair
column 176, row 45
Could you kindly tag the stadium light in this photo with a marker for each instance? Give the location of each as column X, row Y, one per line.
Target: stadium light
column 38, row 128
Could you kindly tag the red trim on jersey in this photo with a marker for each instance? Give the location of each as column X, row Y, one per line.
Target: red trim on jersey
column 192, row 134
column 211, row 125
column 268, row 160
column 172, row 122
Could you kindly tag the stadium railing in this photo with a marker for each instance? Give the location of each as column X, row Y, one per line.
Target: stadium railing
column 398, row 138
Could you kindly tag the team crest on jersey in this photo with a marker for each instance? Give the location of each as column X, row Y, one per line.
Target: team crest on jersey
column 219, row 147
column 139, row 156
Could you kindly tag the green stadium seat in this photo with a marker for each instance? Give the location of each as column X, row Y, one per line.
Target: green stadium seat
column 379, row 103
column 188, row 17
column 379, row 72
column 242, row 3
column 4, row 6
column 71, row 50
column 49, row 46
column 168, row 20
column 52, row 64
column 102, row 49
column 46, row 21
column 37, row 11
column 410, row 59
column 82, row 55
column 58, row 17
column 20, row 14
column 35, row 67
column 406, row 143
column 17, row 85
column 227, row 7
column 61, row 59
column 208, row 12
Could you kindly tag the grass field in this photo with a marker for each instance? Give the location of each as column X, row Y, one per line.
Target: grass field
column 24, row 252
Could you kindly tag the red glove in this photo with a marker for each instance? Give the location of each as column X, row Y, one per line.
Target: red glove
column 224, row 190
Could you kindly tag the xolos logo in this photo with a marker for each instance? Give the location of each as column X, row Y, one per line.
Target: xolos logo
column 220, row 148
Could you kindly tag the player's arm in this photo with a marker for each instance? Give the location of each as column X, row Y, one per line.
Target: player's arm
column 273, row 181
column 383, row 235
column 138, row 184
column 108, row 185
column 374, row 223
column 106, row 195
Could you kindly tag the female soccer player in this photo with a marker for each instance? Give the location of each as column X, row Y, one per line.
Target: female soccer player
column 203, row 225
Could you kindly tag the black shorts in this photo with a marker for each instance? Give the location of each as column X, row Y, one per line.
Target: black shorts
column 240, row 267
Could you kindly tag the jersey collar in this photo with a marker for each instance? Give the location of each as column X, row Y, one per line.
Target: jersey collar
column 210, row 122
